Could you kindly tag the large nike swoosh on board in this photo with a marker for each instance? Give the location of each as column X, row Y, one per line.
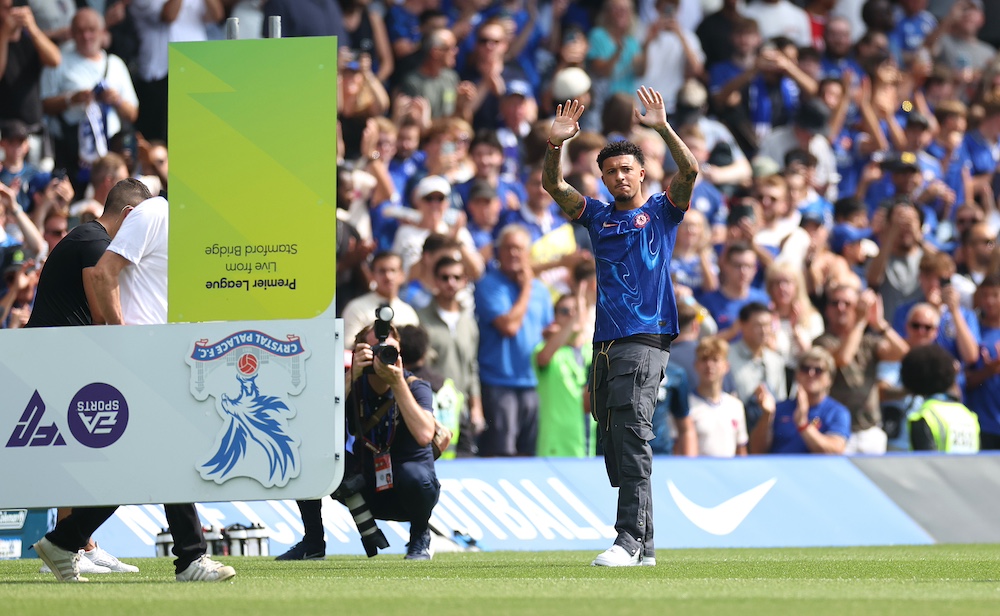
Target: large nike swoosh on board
column 725, row 517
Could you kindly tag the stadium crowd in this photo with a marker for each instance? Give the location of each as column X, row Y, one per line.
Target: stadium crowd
column 845, row 214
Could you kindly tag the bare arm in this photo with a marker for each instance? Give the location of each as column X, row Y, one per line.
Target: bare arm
column 48, row 52
column 106, row 291
column 817, row 442
column 96, row 316
column 565, row 125
column 687, row 439
column 383, row 49
column 687, row 166
column 214, row 11
column 170, row 11
column 509, row 324
column 763, row 431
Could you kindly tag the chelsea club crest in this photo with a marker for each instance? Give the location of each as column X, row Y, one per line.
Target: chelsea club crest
column 251, row 376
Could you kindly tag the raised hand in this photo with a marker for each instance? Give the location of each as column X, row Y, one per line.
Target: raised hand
column 656, row 112
column 566, row 123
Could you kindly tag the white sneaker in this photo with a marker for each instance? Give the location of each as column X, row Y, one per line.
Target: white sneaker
column 63, row 564
column 648, row 561
column 85, row 565
column 616, row 556
column 104, row 559
column 206, row 570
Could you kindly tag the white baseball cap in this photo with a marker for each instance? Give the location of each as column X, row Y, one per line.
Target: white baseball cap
column 430, row 185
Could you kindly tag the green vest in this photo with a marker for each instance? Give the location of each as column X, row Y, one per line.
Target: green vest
column 955, row 428
column 448, row 405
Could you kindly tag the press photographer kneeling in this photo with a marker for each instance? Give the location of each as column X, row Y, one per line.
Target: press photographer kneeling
column 390, row 461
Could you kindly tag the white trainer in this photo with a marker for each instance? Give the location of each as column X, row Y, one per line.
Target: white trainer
column 63, row 564
column 617, row 556
column 104, row 559
column 85, row 565
column 206, row 570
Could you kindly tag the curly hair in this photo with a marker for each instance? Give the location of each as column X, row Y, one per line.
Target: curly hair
column 927, row 370
column 621, row 148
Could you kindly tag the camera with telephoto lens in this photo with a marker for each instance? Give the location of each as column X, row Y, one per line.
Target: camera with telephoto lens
column 386, row 353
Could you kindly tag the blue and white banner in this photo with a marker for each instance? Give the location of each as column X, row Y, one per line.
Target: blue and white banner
column 539, row 504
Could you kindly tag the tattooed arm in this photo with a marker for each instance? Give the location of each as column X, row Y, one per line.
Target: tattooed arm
column 564, row 126
column 681, row 186
column 687, row 167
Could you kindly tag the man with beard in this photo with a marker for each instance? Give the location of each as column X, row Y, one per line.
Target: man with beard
column 633, row 239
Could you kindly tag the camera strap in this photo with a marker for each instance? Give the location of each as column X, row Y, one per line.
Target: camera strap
column 368, row 425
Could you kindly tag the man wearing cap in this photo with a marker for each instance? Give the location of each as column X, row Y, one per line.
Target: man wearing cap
column 847, row 241
column 808, row 132
column 432, row 199
column 435, row 80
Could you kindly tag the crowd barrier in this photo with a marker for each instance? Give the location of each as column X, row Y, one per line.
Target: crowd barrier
column 564, row 504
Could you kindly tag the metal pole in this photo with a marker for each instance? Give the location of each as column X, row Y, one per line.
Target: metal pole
column 274, row 26
column 233, row 29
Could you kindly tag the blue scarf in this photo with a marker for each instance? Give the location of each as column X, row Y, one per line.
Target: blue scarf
column 759, row 100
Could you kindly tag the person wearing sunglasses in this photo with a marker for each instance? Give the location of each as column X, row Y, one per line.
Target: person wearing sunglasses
column 812, row 421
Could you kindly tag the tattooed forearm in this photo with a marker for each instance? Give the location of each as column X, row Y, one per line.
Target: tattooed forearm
column 568, row 198
column 687, row 168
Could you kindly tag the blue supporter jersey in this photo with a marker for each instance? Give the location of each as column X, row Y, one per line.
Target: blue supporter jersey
column 707, row 199
column 985, row 399
column 633, row 249
column 505, row 361
column 722, row 73
column 982, row 155
column 953, row 174
column 833, row 416
column 524, row 217
column 911, row 31
column 725, row 311
column 947, row 337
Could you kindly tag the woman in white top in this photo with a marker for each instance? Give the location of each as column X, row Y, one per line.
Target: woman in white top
column 798, row 322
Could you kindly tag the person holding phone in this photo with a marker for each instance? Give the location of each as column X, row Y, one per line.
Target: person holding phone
column 958, row 332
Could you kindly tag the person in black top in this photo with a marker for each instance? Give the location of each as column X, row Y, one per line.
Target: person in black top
column 64, row 291
column 27, row 51
column 64, row 286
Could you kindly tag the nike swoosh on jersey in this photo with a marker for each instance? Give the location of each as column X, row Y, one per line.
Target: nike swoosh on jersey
column 725, row 517
column 610, row 224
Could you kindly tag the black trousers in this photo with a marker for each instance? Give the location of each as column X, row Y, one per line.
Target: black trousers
column 626, row 378
column 152, row 121
column 73, row 531
column 414, row 493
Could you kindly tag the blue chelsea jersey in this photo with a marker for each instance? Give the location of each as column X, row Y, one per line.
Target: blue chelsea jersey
column 632, row 249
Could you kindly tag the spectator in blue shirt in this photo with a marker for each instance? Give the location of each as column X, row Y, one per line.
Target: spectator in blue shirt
column 982, row 146
column 738, row 267
column 913, row 25
column 812, row 421
column 512, row 308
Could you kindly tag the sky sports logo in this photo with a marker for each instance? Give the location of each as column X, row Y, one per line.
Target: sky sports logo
column 97, row 417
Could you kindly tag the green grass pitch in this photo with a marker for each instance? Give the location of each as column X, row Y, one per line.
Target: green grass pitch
column 909, row 581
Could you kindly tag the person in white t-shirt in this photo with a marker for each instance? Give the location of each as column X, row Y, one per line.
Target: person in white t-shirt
column 130, row 287
column 719, row 418
column 159, row 22
column 131, row 277
column 781, row 18
column 678, row 55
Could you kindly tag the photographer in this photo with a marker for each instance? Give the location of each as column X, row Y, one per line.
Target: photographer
column 390, row 463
